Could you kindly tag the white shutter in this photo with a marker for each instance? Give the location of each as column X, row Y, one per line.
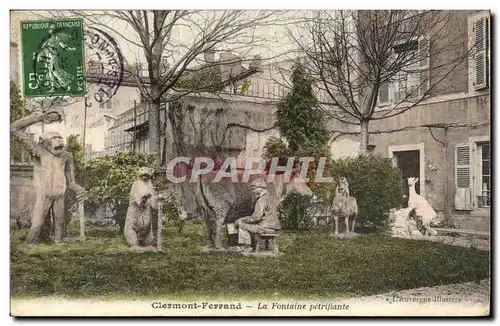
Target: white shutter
column 463, row 177
column 481, row 53
column 400, row 87
column 424, row 55
column 423, row 51
column 383, row 94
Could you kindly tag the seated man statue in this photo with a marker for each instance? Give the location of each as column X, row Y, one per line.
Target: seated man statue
column 264, row 219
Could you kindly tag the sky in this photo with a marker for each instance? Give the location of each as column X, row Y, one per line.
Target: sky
column 271, row 42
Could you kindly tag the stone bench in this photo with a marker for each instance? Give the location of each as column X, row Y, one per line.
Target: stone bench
column 266, row 237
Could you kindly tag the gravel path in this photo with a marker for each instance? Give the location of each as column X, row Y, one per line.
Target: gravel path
column 468, row 242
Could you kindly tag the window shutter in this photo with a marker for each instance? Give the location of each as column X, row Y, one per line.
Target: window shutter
column 424, row 54
column 463, row 177
column 423, row 51
column 480, row 56
column 400, row 87
column 383, row 93
column 424, row 82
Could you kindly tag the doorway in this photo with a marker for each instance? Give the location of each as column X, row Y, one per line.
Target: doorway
column 409, row 163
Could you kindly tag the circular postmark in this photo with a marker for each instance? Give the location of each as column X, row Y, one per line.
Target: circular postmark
column 59, row 71
column 106, row 64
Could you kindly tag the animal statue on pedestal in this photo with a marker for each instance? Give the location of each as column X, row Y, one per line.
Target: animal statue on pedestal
column 143, row 204
column 344, row 206
column 225, row 202
column 423, row 209
column 53, row 175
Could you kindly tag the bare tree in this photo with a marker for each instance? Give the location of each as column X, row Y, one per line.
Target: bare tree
column 374, row 65
column 177, row 43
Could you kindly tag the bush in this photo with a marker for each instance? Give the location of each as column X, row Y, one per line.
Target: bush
column 294, row 212
column 295, row 209
column 375, row 183
column 108, row 179
column 173, row 214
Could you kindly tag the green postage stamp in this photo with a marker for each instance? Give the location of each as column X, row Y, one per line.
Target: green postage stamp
column 53, row 58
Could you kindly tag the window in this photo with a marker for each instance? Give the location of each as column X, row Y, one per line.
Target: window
column 383, row 94
column 105, row 103
column 144, row 73
column 473, row 174
column 413, row 81
column 484, row 197
column 481, row 53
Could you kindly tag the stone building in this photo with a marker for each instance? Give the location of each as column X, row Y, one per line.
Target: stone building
column 449, row 147
column 445, row 139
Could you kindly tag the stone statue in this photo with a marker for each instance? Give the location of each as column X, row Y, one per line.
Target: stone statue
column 53, row 174
column 23, row 203
column 143, row 202
column 343, row 187
column 264, row 219
column 422, row 208
column 224, row 202
column 344, row 206
column 416, row 219
column 402, row 222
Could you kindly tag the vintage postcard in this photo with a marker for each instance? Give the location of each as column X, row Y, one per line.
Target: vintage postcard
column 250, row 163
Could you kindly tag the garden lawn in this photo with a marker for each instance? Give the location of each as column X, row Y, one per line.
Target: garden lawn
column 312, row 265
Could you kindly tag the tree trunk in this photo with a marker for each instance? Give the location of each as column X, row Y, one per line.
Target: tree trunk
column 154, row 131
column 363, row 141
column 154, row 123
column 154, row 60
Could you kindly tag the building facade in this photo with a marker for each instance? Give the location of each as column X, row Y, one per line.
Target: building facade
column 445, row 140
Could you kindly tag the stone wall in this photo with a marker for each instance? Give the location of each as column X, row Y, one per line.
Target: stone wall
column 21, row 188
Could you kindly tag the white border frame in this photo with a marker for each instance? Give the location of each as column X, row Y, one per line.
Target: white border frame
column 412, row 147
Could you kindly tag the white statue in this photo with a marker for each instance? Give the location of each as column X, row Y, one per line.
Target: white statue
column 422, row 208
column 343, row 205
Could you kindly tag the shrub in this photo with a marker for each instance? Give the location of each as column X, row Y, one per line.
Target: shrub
column 302, row 123
column 375, row 183
column 173, row 214
column 108, row 179
column 299, row 118
column 295, row 209
column 294, row 212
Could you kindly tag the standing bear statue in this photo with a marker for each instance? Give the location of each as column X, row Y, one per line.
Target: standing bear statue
column 143, row 203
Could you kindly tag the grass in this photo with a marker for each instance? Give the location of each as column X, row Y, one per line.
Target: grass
column 313, row 265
